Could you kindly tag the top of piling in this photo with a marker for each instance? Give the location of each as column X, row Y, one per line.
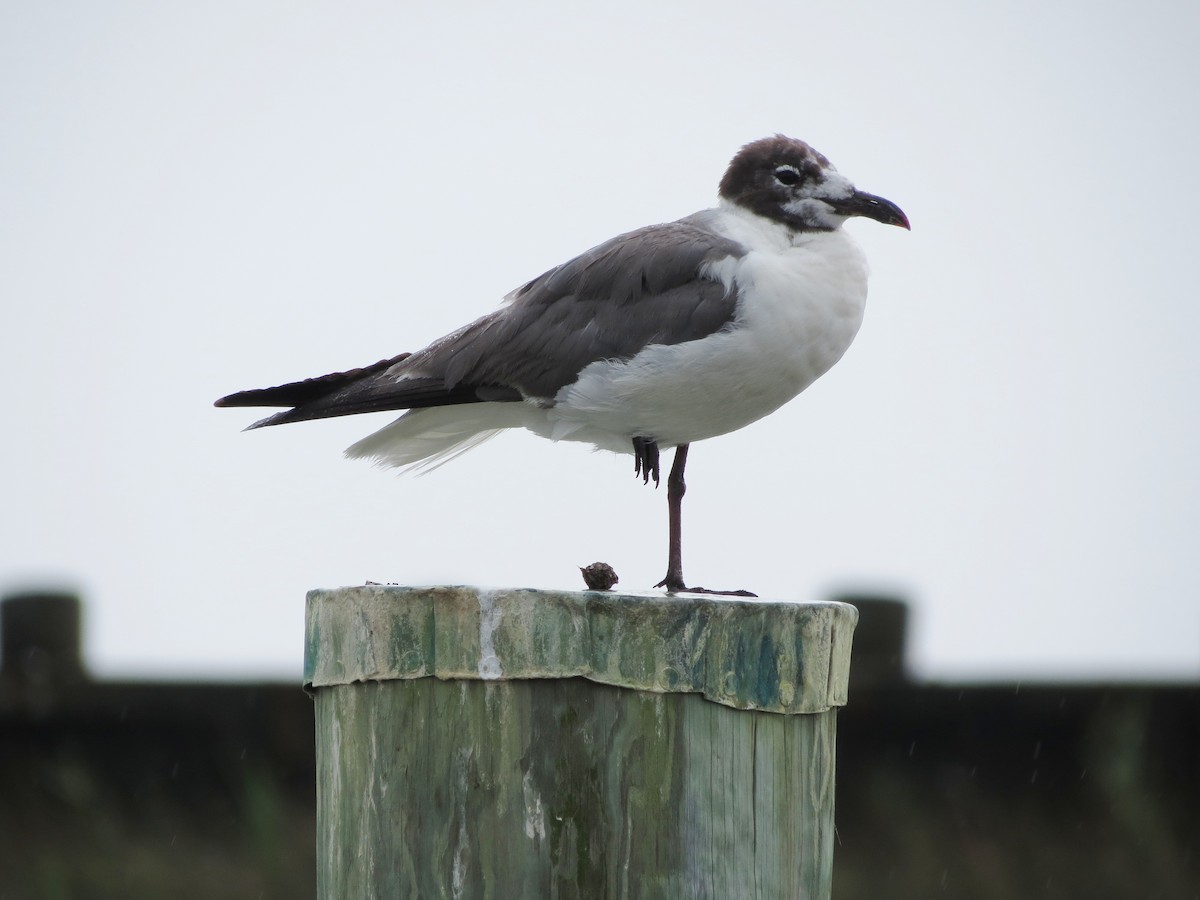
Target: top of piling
column 771, row 655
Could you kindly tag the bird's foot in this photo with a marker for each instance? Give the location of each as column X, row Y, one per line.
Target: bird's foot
column 676, row 586
column 673, row 583
column 645, row 459
column 704, row 590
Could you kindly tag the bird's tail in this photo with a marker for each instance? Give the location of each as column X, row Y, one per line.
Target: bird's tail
column 423, row 439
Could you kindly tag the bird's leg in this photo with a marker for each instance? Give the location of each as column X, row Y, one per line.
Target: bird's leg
column 676, row 488
column 645, row 464
column 645, row 459
column 675, row 491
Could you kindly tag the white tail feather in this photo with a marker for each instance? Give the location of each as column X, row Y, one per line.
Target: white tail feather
column 421, row 440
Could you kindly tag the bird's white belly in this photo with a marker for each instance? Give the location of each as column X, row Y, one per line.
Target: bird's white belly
column 798, row 313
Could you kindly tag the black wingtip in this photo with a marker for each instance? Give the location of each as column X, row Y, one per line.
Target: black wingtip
column 276, row 419
column 297, row 393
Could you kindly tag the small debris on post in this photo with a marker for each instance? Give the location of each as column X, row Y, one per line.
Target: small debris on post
column 599, row 576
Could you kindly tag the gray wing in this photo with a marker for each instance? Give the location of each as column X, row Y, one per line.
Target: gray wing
column 641, row 288
column 644, row 287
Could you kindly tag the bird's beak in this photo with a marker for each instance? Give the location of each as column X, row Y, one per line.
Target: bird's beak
column 860, row 203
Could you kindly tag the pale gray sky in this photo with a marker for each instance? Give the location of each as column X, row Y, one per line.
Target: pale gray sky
column 198, row 198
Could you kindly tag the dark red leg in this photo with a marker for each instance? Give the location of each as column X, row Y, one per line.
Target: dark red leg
column 675, row 491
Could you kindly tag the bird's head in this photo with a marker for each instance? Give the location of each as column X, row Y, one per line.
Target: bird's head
column 787, row 181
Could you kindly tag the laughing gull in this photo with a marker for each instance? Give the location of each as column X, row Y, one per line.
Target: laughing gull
column 657, row 338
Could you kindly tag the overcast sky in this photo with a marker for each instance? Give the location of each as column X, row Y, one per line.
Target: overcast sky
column 199, row 198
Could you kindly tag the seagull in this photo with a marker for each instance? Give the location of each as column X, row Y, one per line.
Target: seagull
column 657, row 338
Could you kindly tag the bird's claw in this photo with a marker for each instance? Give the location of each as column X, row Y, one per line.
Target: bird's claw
column 645, row 459
column 676, row 586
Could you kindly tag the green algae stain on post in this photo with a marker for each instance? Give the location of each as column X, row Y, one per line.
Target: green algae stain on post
column 520, row 743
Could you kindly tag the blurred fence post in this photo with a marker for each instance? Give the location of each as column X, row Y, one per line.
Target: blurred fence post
column 524, row 744
column 41, row 638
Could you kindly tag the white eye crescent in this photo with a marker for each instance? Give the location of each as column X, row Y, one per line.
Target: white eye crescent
column 788, row 175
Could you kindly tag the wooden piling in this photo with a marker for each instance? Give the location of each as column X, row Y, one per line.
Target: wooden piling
column 532, row 744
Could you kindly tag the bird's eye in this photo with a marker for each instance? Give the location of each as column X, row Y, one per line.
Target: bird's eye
column 787, row 175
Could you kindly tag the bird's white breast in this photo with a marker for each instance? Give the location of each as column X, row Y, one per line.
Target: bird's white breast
column 800, row 305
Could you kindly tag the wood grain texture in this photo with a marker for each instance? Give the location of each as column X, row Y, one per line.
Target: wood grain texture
column 749, row 654
column 516, row 744
column 567, row 789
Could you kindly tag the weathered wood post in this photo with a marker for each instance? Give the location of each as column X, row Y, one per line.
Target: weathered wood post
column 516, row 744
